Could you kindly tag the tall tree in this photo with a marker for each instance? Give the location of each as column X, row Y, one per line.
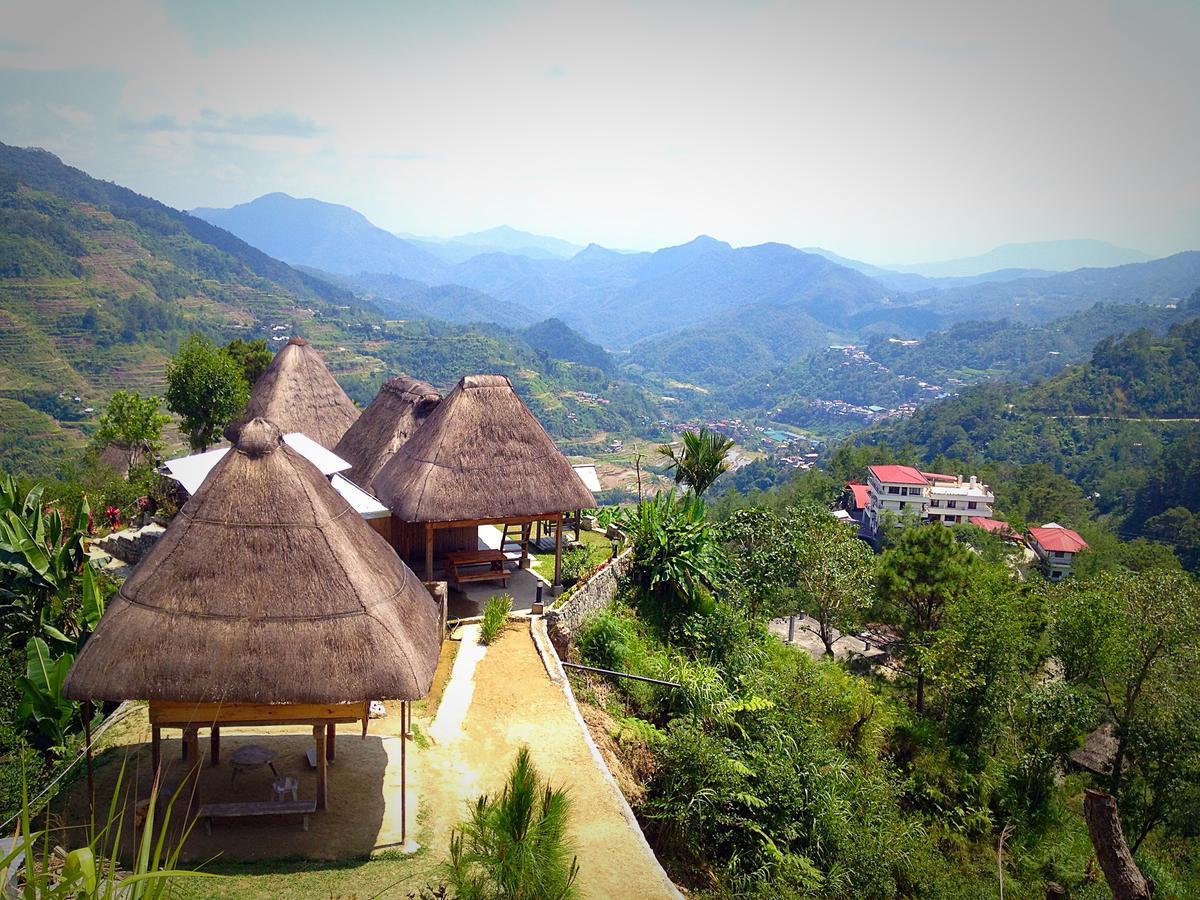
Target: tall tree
column 206, row 389
column 133, row 422
column 252, row 356
column 1132, row 639
column 833, row 570
column 917, row 578
column 701, row 460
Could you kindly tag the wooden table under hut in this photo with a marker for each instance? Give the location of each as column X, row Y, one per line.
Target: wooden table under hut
column 480, row 458
column 268, row 601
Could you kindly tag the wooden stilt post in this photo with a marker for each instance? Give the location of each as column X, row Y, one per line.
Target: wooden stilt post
column 214, row 746
column 429, row 551
column 330, row 741
column 403, row 789
column 191, row 745
column 155, row 748
column 524, row 563
column 87, row 743
column 558, row 551
column 322, row 768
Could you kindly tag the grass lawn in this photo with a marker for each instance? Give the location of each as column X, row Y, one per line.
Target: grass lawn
column 384, row 876
column 599, row 546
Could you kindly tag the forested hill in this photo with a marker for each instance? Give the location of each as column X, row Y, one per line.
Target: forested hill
column 1115, row 426
column 99, row 285
column 1138, row 376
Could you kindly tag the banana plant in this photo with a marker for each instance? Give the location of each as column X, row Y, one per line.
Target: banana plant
column 43, row 708
column 42, row 563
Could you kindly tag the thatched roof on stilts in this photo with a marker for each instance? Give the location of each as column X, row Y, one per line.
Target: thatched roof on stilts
column 266, row 588
column 398, row 410
column 297, row 393
column 480, row 455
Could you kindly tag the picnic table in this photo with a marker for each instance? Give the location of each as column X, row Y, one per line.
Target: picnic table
column 251, row 756
column 465, row 565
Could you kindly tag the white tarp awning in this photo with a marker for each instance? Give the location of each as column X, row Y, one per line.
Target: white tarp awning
column 587, row 474
column 363, row 503
column 190, row 471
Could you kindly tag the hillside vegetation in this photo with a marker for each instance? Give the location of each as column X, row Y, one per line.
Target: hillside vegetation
column 99, row 286
column 1122, row 427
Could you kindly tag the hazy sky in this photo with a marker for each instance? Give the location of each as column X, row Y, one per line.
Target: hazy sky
column 888, row 131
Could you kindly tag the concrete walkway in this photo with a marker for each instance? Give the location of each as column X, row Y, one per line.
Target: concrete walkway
column 499, row 698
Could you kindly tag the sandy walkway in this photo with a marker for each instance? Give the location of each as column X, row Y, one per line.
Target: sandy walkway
column 495, row 702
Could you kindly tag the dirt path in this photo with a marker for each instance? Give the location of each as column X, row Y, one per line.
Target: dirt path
column 499, row 698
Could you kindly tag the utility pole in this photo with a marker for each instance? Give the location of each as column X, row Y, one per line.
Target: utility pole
column 637, row 461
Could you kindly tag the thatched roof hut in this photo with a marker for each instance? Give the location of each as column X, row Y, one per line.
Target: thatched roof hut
column 297, row 393
column 481, row 457
column 267, row 588
column 398, row 410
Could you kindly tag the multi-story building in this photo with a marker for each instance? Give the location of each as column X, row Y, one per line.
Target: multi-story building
column 899, row 489
column 1057, row 548
column 930, row 496
column 953, row 501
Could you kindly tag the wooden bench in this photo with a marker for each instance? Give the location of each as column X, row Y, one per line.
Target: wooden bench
column 210, row 811
column 493, row 559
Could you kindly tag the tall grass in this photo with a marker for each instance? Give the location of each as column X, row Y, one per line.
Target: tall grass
column 91, row 872
column 495, row 617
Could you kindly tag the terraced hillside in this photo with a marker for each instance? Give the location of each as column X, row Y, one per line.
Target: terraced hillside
column 98, row 285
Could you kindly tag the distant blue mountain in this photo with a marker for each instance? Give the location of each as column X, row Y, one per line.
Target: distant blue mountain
column 1055, row 256
column 324, row 236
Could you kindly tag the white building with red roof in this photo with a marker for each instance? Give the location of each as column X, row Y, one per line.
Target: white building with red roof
column 930, row 496
column 1057, row 547
column 897, row 489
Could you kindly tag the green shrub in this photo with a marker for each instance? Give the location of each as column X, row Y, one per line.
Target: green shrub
column 576, row 562
column 495, row 617
column 605, row 640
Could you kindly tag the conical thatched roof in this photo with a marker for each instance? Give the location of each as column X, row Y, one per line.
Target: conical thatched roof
column 266, row 588
column 400, row 407
column 480, row 455
column 297, row 393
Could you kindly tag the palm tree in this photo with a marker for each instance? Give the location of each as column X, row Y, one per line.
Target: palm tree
column 700, row 461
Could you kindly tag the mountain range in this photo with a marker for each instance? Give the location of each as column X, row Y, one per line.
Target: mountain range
column 99, row 285
column 772, row 298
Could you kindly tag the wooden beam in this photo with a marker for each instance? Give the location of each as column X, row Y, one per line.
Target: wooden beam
column 558, row 550
column 322, row 767
column 429, row 551
column 214, row 746
column 330, row 741
column 155, row 748
column 176, row 714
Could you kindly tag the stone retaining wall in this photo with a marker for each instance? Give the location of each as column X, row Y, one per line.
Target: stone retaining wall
column 563, row 622
column 131, row 545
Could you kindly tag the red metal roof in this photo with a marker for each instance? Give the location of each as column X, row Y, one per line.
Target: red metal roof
column 1057, row 538
column 898, row 475
column 995, row 526
column 862, row 494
